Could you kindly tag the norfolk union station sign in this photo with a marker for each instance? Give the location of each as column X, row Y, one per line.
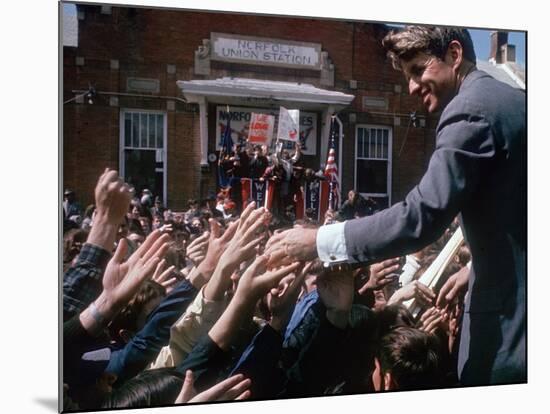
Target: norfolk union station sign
column 263, row 51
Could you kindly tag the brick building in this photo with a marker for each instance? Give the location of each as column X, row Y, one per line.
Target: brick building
column 146, row 91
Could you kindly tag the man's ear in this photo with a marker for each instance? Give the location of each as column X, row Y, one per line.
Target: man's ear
column 454, row 55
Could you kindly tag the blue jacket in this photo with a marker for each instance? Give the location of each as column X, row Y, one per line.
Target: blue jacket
column 144, row 347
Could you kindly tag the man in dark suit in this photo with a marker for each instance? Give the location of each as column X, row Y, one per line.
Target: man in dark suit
column 478, row 170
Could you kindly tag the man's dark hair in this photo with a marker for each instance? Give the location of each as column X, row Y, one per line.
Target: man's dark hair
column 413, row 357
column 391, row 317
column 405, row 44
column 149, row 388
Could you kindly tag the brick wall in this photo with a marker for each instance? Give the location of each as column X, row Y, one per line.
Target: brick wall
column 145, row 41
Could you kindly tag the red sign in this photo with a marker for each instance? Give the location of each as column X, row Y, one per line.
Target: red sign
column 260, row 130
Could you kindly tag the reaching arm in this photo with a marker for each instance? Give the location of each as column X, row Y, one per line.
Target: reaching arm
column 121, row 282
column 255, row 282
column 465, row 148
column 82, row 282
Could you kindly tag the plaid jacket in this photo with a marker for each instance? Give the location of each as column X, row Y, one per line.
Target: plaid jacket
column 82, row 283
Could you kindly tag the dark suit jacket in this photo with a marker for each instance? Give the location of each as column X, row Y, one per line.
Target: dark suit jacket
column 478, row 169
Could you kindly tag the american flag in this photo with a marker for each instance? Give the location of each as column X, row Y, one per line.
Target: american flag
column 331, row 170
column 227, row 147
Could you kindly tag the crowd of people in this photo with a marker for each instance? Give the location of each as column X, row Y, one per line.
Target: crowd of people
column 190, row 308
column 229, row 302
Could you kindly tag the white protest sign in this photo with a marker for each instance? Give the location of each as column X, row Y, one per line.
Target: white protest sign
column 260, row 130
column 289, row 124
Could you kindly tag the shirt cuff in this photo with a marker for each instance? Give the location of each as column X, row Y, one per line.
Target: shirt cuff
column 331, row 243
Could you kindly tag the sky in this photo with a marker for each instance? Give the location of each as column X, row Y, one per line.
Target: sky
column 481, row 39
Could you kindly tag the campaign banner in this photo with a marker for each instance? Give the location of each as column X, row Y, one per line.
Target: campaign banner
column 260, row 130
column 315, row 200
column 240, row 123
column 289, row 124
column 260, row 191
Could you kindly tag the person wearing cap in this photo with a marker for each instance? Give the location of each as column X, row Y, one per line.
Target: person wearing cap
column 71, row 208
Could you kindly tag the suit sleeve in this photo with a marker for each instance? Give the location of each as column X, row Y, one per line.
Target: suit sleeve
column 465, row 149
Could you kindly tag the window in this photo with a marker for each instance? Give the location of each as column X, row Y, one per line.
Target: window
column 143, row 149
column 373, row 163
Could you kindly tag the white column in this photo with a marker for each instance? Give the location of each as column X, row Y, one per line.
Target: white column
column 340, row 150
column 203, row 113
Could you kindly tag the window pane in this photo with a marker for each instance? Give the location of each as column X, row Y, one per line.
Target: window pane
column 127, row 129
column 372, row 143
column 143, row 130
column 140, row 171
column 360, row 142
column 381, row 203
column 385, row 149
column 152, row 131
column 160, row 131
column 135, row 130
column 372, row 176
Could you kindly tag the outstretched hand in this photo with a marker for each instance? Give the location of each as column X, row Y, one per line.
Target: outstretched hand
column 415, row 290
column 454, row 288
column 122, row 279
column 217, row 243
column 247, row 237
column 381, row 274
column 434, row 319
column 298, row 244
column 242, row 247
column 196, row 251
column 282, row 298
column 233, row 388
column 163, row 276
column 112, row 198
column 257, row 280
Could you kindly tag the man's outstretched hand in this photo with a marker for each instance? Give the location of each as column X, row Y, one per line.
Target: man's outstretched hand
column 298, row 244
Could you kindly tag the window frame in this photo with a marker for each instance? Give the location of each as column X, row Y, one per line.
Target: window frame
column 389, row 159
column 123, row 147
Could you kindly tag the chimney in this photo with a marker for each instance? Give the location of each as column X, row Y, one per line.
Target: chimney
column 508, row 53
column 498, row 41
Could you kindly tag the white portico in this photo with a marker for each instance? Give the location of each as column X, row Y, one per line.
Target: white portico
column 265, row 94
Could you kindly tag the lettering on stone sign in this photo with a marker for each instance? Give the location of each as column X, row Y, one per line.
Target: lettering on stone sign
column 240, row 53
column 266, row 51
